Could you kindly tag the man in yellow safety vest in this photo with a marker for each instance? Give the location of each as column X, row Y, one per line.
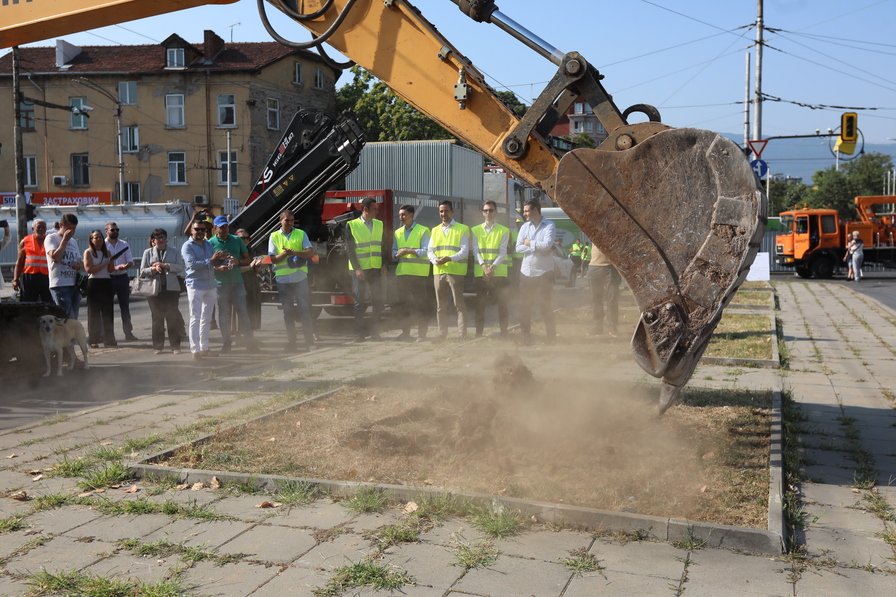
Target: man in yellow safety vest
column 409, row 249
column 448, row 250
column 490, row 241
column 365, row 262
column 290, row 249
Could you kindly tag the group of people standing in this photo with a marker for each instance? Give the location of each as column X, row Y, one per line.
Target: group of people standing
column 51, row 268
column 444, row 251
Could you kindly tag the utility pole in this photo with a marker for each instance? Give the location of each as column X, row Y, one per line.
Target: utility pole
column 747, row 104
column 757, row 97
column 229, row 166
column 21, row 222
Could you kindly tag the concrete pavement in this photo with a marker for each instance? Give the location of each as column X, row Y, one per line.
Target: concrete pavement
column 841, row 349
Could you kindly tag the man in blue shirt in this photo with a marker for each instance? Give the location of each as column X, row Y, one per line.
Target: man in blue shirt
column 290, row 251
column 535, row 243
column 231, row 290
column 200, row 259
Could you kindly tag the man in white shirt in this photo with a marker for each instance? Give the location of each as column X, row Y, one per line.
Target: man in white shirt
column 64, row 261
column 535, row 242
column 121, row 282
column 449, row 245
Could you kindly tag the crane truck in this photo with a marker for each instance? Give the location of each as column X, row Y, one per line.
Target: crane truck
column 815, row 244
column 678, row 211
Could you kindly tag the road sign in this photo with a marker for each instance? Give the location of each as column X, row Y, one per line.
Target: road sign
column 758, row 147
column 759, row 167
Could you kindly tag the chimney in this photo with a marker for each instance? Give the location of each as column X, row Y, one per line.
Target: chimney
column 212, row 46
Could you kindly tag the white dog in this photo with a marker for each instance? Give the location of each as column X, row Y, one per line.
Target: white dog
column 57, row 333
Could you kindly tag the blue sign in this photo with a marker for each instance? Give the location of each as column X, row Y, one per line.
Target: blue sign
column 759, row 167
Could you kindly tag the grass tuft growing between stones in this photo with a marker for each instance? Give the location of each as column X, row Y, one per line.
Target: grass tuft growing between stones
column 497, row 522
column 365, row 573
column 475, row 555
column 82, row 584
column 581, row 561
column 368, row 499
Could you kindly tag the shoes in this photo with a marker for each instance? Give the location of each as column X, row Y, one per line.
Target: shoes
column 131, row 337
column 208, row 353
column 358, row 339
column 421, row 339
column 226, row 348
column 316, row 337
column 403, row 337
column 197, row 356
column 94, row 345
column 157, row 352
column 478, row 335
column 613, row 332
column 175, row 351
column 112, row 344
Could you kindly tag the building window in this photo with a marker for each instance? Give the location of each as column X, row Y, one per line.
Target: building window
column 577, row 126
column 226, row 166
column 131, row 192
column 600, row 128
column 589, row 126
column 318, row 77
column 30, row 170
column 26, row 115
column 175, row 58
column 80, row 170
column 78, row 119
column 580, row 108
column 174, row 108
column 127, row 93
column 130, row 139
column 273, row 114
column 226, row 109
column 177, row 167
column 297, row 73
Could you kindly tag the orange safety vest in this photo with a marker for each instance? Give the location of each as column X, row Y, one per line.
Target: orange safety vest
column 35, row 257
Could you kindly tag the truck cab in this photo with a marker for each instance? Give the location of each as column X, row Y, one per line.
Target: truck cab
column 813, row 244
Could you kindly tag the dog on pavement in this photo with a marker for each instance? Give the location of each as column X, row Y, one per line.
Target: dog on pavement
column 56, row 334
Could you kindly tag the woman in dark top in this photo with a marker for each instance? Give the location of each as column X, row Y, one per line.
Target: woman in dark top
column 100, row 310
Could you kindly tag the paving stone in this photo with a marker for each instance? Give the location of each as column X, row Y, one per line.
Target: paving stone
column 342, row 550
column 58, row 554
column 665, row 561
column 230, row 580
column 116, row 528
column 710, row 569
column 369, row 522
column 199, row 533
column 243, row 507
column 450, row 530
column 825, row 494
column 294, row 582
column 127, row 566
column 13, row 542
column 276, row 544
column 547, row 546
column 510, row 577
column 186, row 496
column 318, row 515
column 619, row 583
column 821, row 473
column 405, row 591
column 430, row 565
column 61, row 520
column 840, row 582
column 848, row 536
column 10, row 587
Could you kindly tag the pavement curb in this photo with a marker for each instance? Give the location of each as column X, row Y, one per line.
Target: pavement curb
column 670, row 530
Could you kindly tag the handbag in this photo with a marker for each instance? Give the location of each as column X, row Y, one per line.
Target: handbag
column 83, row 282
column 147, row 287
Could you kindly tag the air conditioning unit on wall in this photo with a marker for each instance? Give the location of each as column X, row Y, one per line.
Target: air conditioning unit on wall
column 60, row 181
column 200, row 200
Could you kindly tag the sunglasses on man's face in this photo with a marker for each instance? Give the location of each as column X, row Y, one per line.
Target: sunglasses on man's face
column 113, row 229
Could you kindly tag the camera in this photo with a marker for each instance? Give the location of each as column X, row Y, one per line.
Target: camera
column 200, row 215
column 4, row 224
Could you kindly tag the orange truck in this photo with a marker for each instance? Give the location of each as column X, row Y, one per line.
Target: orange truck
column 816, row 242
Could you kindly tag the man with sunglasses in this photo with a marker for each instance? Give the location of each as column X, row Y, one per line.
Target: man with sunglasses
column 200, row 259
column 490, row 241
column 121, row 282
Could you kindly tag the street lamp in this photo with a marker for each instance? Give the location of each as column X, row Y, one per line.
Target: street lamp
column 84, row 109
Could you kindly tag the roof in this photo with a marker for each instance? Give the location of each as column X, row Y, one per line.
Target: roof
column 148, row 59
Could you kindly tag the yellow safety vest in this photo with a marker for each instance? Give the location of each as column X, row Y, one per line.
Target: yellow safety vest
column 411, row 265
column 576, row 250
column 514, row 234
column 445, row 245
column 586, row 253
column 489, row 246
column 295, row 242
column 368, row 245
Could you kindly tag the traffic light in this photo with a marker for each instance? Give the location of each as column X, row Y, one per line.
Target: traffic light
column 849, row 127
column 29, row 212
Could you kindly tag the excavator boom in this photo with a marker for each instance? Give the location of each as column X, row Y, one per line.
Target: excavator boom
column 678, row 211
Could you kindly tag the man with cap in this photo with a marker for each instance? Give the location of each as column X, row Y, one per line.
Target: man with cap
column 229, row 280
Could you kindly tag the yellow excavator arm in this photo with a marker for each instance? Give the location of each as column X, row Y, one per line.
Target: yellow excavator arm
column 679, row 212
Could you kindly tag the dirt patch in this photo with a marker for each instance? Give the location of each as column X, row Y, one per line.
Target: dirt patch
column 596, row 444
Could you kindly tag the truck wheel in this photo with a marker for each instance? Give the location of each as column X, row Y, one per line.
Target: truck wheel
column 803, row 271
column 823, row 268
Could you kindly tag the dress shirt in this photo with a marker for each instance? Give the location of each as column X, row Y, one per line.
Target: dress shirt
column 424, row 242
column 537, row 258
column 200, row 273
column 126, row 257
column 460, row 255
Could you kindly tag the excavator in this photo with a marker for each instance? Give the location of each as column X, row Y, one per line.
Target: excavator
column 678, row 211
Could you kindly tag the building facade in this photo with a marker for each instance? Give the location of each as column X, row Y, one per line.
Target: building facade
column 579, row 118
column 181, row 106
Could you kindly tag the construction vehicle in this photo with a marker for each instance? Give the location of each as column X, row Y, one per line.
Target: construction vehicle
column 678, row 211
column 815, row 245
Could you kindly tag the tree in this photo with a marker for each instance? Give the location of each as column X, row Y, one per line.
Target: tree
column 784, row 195
column 862, row 176
column 384, row 115
column 513, row 102
column 583, row 139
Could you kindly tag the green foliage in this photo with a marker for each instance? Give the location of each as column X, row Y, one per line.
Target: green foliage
column 88, row 585
column 368, row 499
column 785, row 195
column 500, row 524
column 513, row 102
column 384, row 115
column 365, row 573
column 475, row 555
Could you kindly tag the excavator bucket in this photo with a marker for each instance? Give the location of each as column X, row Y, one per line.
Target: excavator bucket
column 681, row 214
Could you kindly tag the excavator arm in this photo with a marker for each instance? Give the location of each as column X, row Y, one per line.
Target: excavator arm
column 678, row 211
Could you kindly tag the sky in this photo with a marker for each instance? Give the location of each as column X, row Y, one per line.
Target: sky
column 685, row 57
